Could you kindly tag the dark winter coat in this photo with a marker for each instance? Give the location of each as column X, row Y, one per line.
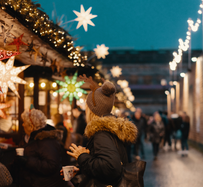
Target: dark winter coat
column 185, row 128
column 43, row 159
column 140, row 124
column 60, row 126
column 81, row 124
column 156, row 132
column 103, row 164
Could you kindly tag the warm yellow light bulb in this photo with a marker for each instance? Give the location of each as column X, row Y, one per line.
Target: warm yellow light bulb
column 54, row 94
column 31, row 85
column 43, row 84
column 54, row 85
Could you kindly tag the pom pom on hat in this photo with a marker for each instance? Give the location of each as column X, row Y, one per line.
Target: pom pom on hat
column 101, row 101
column 108, row 88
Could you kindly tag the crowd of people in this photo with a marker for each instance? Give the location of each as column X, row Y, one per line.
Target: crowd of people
column 98, row 147
column 161, row 130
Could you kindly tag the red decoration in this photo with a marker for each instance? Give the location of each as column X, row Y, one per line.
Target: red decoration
column 18, row 42
column 4, row 54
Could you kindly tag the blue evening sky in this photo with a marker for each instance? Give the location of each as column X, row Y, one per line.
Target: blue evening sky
column 137, row 24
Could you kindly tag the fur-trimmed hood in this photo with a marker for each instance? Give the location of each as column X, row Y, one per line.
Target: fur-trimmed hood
column 53, row 134
column 48, row 132
column 124, row 129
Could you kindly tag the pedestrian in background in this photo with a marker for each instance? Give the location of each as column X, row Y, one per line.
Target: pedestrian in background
column 140, row 124
column 80, row 125
column 177, row 121
column 156, row 133
column 185, row 128
column 58, row 123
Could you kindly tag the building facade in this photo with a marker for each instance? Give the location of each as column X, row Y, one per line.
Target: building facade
column 144, row 71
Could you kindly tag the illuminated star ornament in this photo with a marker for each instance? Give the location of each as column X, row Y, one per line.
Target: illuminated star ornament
column 116, row 71
column 8, row 75
column 101, row 51
column 84, row 18
column 71, row 88
column 3, row 106
column 18, row 42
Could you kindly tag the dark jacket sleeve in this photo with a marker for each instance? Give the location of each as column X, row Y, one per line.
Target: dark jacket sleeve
column 48, row 158
column 105, row 165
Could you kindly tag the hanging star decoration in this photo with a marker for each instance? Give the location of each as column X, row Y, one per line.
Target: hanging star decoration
column 8, row 75
column 30, row 49
column 84, row 18
column 63, row 73
column 71, row 88
column 44, row 59
column 18, row 42
column 101, row 51
column 55, row 65
column 4, row 54
column 4, row 106
column 37, row 53
column 116, row 71
column 6, row 33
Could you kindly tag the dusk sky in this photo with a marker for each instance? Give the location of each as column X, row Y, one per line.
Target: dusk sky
column 136, row 24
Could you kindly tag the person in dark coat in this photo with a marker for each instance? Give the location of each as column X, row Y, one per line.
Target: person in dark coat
column 156, row 133
column 140, row 124
column 101, row 161
column 79, row 115
column 185, row 128
column 58, row 123
column 41, row 164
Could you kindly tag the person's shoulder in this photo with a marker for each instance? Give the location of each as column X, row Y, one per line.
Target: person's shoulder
column 103, row 134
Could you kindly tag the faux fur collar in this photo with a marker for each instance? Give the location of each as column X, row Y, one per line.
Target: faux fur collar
column 125, row 130
column 52, row 134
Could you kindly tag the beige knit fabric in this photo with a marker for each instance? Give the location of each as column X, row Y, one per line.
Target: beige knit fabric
column 104, row 99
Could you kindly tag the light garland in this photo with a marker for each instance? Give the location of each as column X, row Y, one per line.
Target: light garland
column 126, row 89
column 184, row 45
column 38, row 21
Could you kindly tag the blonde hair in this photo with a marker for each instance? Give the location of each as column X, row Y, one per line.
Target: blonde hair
column 89, row 114
column 35, row 118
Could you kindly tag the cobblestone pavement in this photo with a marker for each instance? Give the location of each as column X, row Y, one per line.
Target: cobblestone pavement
column 173, row 170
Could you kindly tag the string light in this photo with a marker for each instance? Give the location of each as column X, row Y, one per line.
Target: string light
column 40, row 24
column 184, row 45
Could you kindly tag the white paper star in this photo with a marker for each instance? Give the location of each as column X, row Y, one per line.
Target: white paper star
column 84, row 18
column 8, row 75
column 101, row 51
column 116, row 71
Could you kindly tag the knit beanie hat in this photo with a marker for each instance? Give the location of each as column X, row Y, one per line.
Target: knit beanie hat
column 100, row 101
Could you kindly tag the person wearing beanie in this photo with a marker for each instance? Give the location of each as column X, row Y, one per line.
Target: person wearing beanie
column 101, row 161
column 41, row 164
